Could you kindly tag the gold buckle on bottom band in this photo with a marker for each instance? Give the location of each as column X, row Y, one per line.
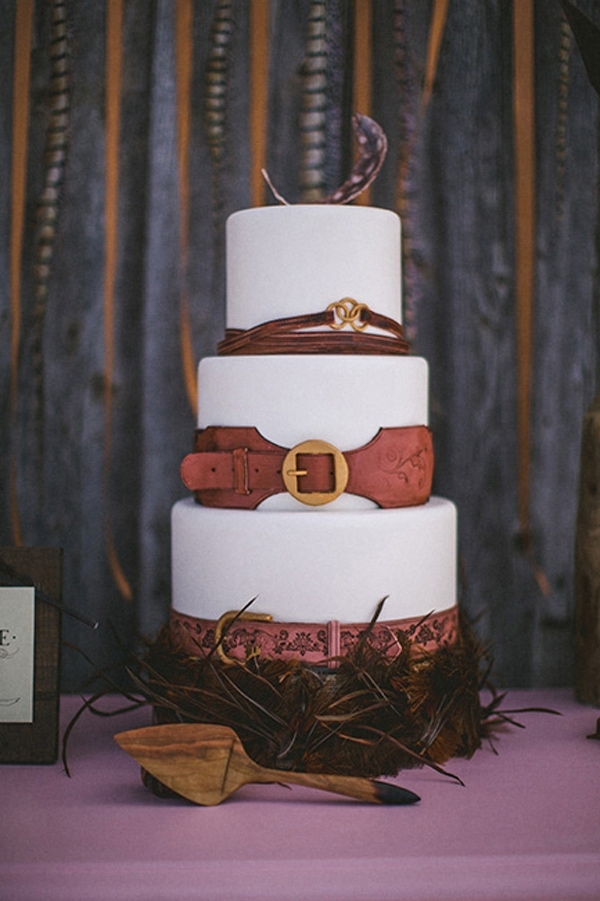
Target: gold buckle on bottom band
column 290, row 472
column 223, row 624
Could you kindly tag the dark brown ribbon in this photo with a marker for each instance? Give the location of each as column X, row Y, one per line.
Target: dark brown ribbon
column 296, row 335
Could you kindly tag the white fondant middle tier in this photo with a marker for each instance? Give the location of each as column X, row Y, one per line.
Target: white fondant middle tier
column 343, row 400
column 337, row 565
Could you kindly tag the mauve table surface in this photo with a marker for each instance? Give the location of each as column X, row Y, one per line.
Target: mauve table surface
column 525, row 825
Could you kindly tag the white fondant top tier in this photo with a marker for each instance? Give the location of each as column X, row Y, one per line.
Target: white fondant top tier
column 294, row 260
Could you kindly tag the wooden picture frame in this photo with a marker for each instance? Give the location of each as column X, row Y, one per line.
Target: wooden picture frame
column 40, row 567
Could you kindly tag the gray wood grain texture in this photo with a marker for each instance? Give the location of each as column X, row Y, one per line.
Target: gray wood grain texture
column 459, row 280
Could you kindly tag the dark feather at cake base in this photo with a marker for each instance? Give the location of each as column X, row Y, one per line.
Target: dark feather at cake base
column 370, row 716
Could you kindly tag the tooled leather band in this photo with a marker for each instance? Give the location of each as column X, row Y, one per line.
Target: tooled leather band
column 313, row 643
column 297, row 335
column 236, row 467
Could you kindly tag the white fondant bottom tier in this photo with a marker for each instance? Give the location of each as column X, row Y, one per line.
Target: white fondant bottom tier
column 334, row 565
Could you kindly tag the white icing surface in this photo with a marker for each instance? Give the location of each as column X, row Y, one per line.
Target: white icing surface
column 337, row 565
column 291, row 260
column 343, row 400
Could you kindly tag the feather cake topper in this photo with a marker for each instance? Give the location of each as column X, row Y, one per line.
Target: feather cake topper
column 372, row 150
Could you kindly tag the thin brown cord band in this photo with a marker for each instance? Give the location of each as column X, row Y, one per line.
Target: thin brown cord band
column 296, row 335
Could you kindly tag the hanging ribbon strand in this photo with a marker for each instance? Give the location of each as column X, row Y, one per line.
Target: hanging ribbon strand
column 524, row 151
column 259, row 96
column 524, row 148
column 20, row 135
column 113, row 59
column 363, row 53
column 183, row 76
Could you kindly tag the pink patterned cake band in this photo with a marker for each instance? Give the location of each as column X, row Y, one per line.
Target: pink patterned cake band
column 239, row 637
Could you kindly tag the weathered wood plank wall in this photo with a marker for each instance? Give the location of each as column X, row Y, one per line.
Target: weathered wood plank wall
column 457, row 194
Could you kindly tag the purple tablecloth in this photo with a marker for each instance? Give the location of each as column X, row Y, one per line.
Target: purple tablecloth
column 526, row 825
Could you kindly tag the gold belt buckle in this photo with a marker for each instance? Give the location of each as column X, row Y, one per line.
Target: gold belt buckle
column 290, row 472
column 223, row 624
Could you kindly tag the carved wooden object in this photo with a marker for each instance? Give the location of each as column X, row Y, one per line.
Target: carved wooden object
column 206, row 764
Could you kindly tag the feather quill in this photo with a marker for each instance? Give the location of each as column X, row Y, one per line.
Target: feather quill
column 372, row 150
column 313, row 105
column 217, row 80
column 564, row 57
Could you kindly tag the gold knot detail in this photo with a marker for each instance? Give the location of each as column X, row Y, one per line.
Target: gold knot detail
column 348, row 312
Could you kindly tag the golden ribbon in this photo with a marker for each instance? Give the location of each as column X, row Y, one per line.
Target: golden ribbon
column 259, row 97
column 183, row 74
column 113, row 58
column 20, row 134
column 524, row 144
column 524, row 148
column 362, row 68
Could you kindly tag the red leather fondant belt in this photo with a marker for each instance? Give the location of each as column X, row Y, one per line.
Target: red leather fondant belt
column 238, row 637
column 237, row 467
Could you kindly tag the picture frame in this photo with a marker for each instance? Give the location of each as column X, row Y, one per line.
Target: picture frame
column 39, row 567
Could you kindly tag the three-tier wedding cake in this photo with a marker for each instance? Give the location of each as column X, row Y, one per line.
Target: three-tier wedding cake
column 314, row 604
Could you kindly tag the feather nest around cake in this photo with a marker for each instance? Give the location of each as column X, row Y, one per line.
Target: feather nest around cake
column 315, row 360
column 369, row 716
